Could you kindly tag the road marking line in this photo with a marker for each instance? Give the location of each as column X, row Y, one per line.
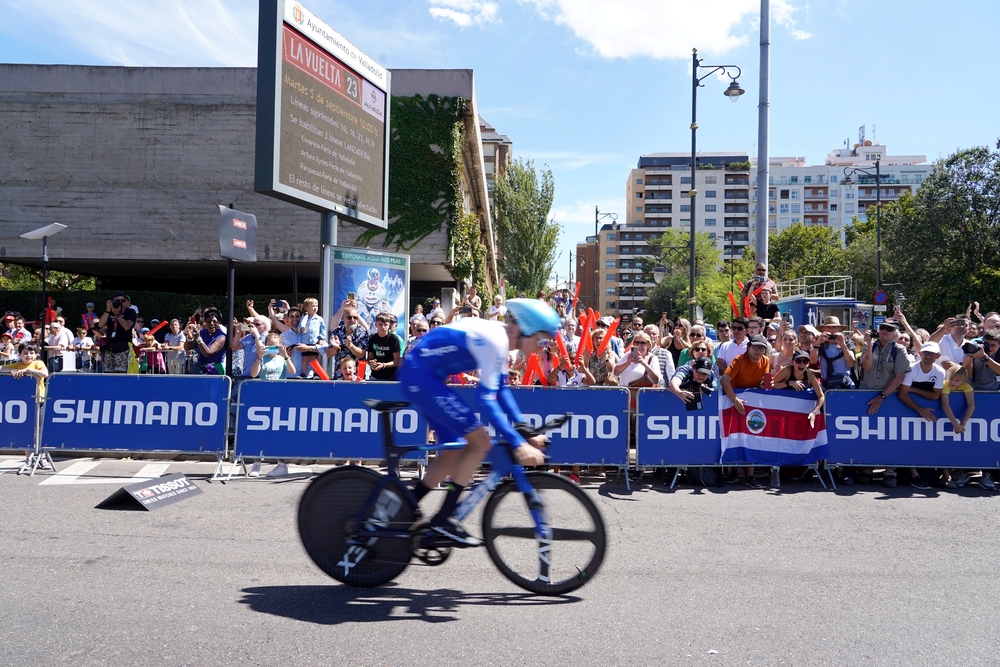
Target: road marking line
column 72, row 475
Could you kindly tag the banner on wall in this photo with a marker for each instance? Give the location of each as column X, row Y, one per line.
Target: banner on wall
column 379, row 281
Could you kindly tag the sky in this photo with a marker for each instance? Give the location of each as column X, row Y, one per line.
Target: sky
column 585, row 87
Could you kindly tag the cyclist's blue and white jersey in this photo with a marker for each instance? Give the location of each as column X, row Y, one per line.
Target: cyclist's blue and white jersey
column 467, row 345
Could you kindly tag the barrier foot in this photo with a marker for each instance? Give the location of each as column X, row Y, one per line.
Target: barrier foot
column 628, row 483
column 218, row 475
column 34, row 462
column 677, row 474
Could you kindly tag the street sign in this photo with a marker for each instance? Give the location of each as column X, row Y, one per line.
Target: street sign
column 880, row 308
column 880, row 297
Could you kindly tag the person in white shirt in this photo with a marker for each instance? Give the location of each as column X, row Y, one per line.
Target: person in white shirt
column 950, row 335
column 82, row 345
column 58, row 344
column 725, row 353
column 925, row 379
column 497, row 311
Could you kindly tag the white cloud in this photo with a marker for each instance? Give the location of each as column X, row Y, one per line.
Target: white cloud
column 150, row 33
column 574, row 159
column 464, row 12
column 662, row 28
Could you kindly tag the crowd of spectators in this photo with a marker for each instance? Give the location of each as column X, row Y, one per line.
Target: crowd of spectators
column 757, row 349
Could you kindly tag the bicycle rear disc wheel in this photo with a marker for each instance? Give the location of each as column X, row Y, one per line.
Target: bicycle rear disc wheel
column 331, row 504
column 578, row 544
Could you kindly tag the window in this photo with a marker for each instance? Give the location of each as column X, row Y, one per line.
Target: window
column 709, row 194
column 795, row 194
column 834, row 180
column 638, row 209
column 685, row 208
column 807, row 179
column 848, row 194
column 612, row 250
column 610, row 291
column 833, row 207
column 711, row 180
column 611, row 236
column 638, row 195
column 611, row 277
column 796, row 221
column 796, row 208
column 834, row 192
column 784, row 194
column 709, row 208
column 611, row 264
column 710, row 222
column 685, row 180
column 783, row 208
column 638, row 181
column 848, row 208
column 610, row 304
column 793, row 179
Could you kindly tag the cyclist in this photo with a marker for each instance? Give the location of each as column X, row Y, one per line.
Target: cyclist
column 464, row 346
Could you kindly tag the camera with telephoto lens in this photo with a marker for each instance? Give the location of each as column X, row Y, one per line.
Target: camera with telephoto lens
column 970, row 348
column 698, row 389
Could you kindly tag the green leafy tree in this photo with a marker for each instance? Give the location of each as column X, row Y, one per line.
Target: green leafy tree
column 525, row 235
column 944, row 242
column 711, row 279
column 804, row 251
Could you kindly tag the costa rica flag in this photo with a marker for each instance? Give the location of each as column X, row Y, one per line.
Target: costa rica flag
column 774, row 431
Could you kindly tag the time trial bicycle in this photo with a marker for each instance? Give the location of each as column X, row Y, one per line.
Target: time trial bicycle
column 542, row 531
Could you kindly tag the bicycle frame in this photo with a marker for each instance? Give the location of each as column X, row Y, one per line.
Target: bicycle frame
column 373, row 521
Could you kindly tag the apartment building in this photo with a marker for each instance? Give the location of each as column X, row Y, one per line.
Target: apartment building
column 817, row 194
column 497, row 150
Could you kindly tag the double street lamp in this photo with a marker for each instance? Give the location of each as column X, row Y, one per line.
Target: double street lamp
column 848, row 172
column 733, row 92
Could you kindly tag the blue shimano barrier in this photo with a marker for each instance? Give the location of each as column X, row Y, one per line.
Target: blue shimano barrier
column 897, row 436
column 597, row 434
column 298, row 419
column 17, row 412
column 670, row 435
column 136, row 413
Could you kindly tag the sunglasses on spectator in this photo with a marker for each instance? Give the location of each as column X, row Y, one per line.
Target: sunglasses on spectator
column 642, row 342
column 350, row 317
column 886, row 328
column 699, row 349
column 436, row 323
column 696, row 335
column 739, row 328
column 802, row 361
column 761, row 270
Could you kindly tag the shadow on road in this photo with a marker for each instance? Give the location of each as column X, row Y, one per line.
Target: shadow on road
column 335, row 604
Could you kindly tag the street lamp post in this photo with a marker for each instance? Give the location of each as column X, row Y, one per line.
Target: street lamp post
column 598, row 216
column 44, row 233
column 733, row 92
column 848, row 172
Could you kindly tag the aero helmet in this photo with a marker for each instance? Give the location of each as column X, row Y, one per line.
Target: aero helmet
column 533, row 316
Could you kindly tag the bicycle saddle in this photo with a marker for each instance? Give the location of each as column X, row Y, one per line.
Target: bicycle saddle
column 384, row 406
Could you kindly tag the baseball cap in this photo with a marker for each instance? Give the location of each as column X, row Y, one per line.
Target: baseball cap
column 757, row 340
column 890, row 323
column 144, row 330
column 90, row 304
column 702, row 364
column 810, row 328
column 931, row 346
column 800, row 354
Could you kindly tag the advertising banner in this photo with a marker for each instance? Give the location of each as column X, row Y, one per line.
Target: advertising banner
column 597, row 433
column 896, row 435
column 668, row 434
column 137, row 413
column 379, row 281
column 17, row 413
column 296, row 419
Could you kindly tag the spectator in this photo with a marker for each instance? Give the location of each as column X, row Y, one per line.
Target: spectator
column 759, row 280
column 436, row 321
column 59, row 345
column 271, row 358
column 348, row 340
column 785, row 352
column 723, row 331
column 599, row 368
column 436, row 310
column 798, row 377
column 566, row 374
column 569, row 335
column 638, row 368
column 383, row 350
column 835, row 355
column 289, row 329
column 763, row 307
column 257, row 326
column 418, row 316
column 696, row 335
column 693, row 379
column 666, row 359
column 118, row 321
column 727, row 352
column 30, row 366
column 173, row 343
column 635, row 326
column 925, row 379
column 474, row 299
column 562, row 297
column 950, row 335
column 983, row 365
column 956, row 380
column 8, row 353
column 149, row 353
column 20, row 333
column 420, row 330
column 616, row 345
column 497, row 311
column 680, row 340
column 89, row 319
column 884, row 366
column 347, row 370
column 210, row 344
column 746, row 371
column 312, row 335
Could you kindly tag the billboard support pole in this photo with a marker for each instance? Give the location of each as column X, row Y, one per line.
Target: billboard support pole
column 327, row 240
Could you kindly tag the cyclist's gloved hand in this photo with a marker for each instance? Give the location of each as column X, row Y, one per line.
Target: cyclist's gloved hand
column 526, row 430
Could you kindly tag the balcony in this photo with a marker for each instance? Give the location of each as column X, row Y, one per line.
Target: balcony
column 810, row 195
column 737, row 209
column 730, row 223
column 737, row 194
column 737, row 180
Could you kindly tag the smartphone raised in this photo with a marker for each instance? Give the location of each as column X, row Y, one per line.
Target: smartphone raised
column 351, row 296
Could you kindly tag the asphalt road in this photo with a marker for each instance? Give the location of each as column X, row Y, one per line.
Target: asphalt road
column 727, row 576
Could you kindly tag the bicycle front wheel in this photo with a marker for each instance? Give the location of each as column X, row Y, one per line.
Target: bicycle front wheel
column 329, row 510
column 557, row 566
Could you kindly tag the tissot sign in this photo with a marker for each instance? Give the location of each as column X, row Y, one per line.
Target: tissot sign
column 322, row 116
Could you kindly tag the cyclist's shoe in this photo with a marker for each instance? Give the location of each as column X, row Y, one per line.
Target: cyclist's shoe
column 451, row 529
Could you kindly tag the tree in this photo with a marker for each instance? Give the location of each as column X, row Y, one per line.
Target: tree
column 525, row 236
column 711, row 280
column 804, row 251
column 943, row 242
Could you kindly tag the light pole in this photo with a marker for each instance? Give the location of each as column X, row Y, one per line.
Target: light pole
column 733, row 92
column 598, row 216
column 44, row 233
column 848, row 172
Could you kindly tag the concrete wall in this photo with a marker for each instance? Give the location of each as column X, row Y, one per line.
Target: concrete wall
column 134, row 161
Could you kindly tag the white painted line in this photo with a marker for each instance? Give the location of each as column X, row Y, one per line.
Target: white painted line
column 148, row 471
column 71, row 474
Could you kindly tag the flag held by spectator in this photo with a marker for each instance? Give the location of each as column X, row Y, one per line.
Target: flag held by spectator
column 775, row 429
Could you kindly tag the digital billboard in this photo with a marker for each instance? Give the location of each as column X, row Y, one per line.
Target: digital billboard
column 322, row 117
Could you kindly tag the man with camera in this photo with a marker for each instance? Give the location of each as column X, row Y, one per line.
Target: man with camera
column 834, row 352
column 118, row 320
column 984, row 362
column 692, row 381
